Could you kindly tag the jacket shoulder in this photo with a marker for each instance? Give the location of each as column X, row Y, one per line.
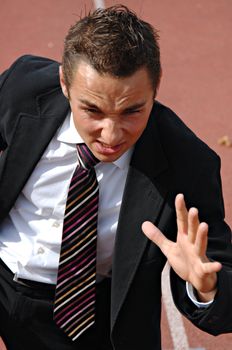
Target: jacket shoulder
column 30, row 71
column 20, row 87
column 177, row 139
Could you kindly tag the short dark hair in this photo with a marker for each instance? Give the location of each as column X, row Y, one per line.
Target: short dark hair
column 114, row 41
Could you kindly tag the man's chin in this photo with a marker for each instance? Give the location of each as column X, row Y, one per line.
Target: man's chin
column 107, row 158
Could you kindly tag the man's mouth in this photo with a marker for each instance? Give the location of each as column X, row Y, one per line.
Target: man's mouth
column 108, row 149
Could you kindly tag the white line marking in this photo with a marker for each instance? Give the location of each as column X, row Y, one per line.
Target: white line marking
column 177, row 330
column 99, row 4
column 175, row 322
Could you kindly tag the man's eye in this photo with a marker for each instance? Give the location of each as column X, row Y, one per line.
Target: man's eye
column 132, row 111
column 91, row 110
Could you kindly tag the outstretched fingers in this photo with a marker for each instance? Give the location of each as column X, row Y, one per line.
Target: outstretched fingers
column 154, row 234
column 187, row 221
column 211, row 267
column 193, row 224
column 201, row 239
column 181, row 214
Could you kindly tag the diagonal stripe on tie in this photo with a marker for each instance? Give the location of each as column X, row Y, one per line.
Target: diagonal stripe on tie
column 74, row 305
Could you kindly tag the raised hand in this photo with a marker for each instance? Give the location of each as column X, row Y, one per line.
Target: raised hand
column 187, row 256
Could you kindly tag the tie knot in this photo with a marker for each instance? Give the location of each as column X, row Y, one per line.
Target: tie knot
column 86, row 157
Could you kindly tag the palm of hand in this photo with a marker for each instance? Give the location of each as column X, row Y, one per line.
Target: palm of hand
column 187, row 256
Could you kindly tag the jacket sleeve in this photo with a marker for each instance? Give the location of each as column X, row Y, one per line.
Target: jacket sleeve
column 207, row 196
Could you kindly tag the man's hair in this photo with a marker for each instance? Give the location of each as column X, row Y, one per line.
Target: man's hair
column 114, row 41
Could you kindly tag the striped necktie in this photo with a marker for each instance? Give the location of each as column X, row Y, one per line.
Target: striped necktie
column 74, row 307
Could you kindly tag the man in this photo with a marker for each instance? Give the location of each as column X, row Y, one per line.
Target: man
column 103, row 97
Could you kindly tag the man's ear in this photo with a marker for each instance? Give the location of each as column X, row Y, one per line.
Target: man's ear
column 62, row 83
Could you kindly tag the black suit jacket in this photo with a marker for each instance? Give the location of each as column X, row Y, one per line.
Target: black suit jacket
column 168, row 159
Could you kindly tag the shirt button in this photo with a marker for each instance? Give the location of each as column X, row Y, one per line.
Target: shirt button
column 56, row 224
column 40, row 250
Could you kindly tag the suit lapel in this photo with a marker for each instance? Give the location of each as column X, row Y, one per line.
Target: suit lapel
column 31, row 137
column 143, row 199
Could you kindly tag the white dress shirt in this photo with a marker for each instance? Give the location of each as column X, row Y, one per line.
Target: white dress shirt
column 31, row 235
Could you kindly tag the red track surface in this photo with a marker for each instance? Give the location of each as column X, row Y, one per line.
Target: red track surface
column 196, row 52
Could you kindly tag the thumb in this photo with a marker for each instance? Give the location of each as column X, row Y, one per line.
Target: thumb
column 156, row 236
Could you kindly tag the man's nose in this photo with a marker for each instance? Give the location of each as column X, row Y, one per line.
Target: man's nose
column 111, row 132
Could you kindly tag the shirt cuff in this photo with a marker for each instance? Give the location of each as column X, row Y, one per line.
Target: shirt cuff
column 192, row 297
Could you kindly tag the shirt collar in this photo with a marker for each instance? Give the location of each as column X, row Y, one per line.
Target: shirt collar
column 124, row 160
column 69, row 134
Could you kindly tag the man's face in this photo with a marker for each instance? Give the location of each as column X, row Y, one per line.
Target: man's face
column 109, row 113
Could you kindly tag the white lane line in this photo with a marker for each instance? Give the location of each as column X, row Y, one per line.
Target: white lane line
column 176, row 326
column 99, row 4
column 175, row 322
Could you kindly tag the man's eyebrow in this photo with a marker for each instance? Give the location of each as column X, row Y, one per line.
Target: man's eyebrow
column 135, row 106
column 88, row 103
column 129, row 108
